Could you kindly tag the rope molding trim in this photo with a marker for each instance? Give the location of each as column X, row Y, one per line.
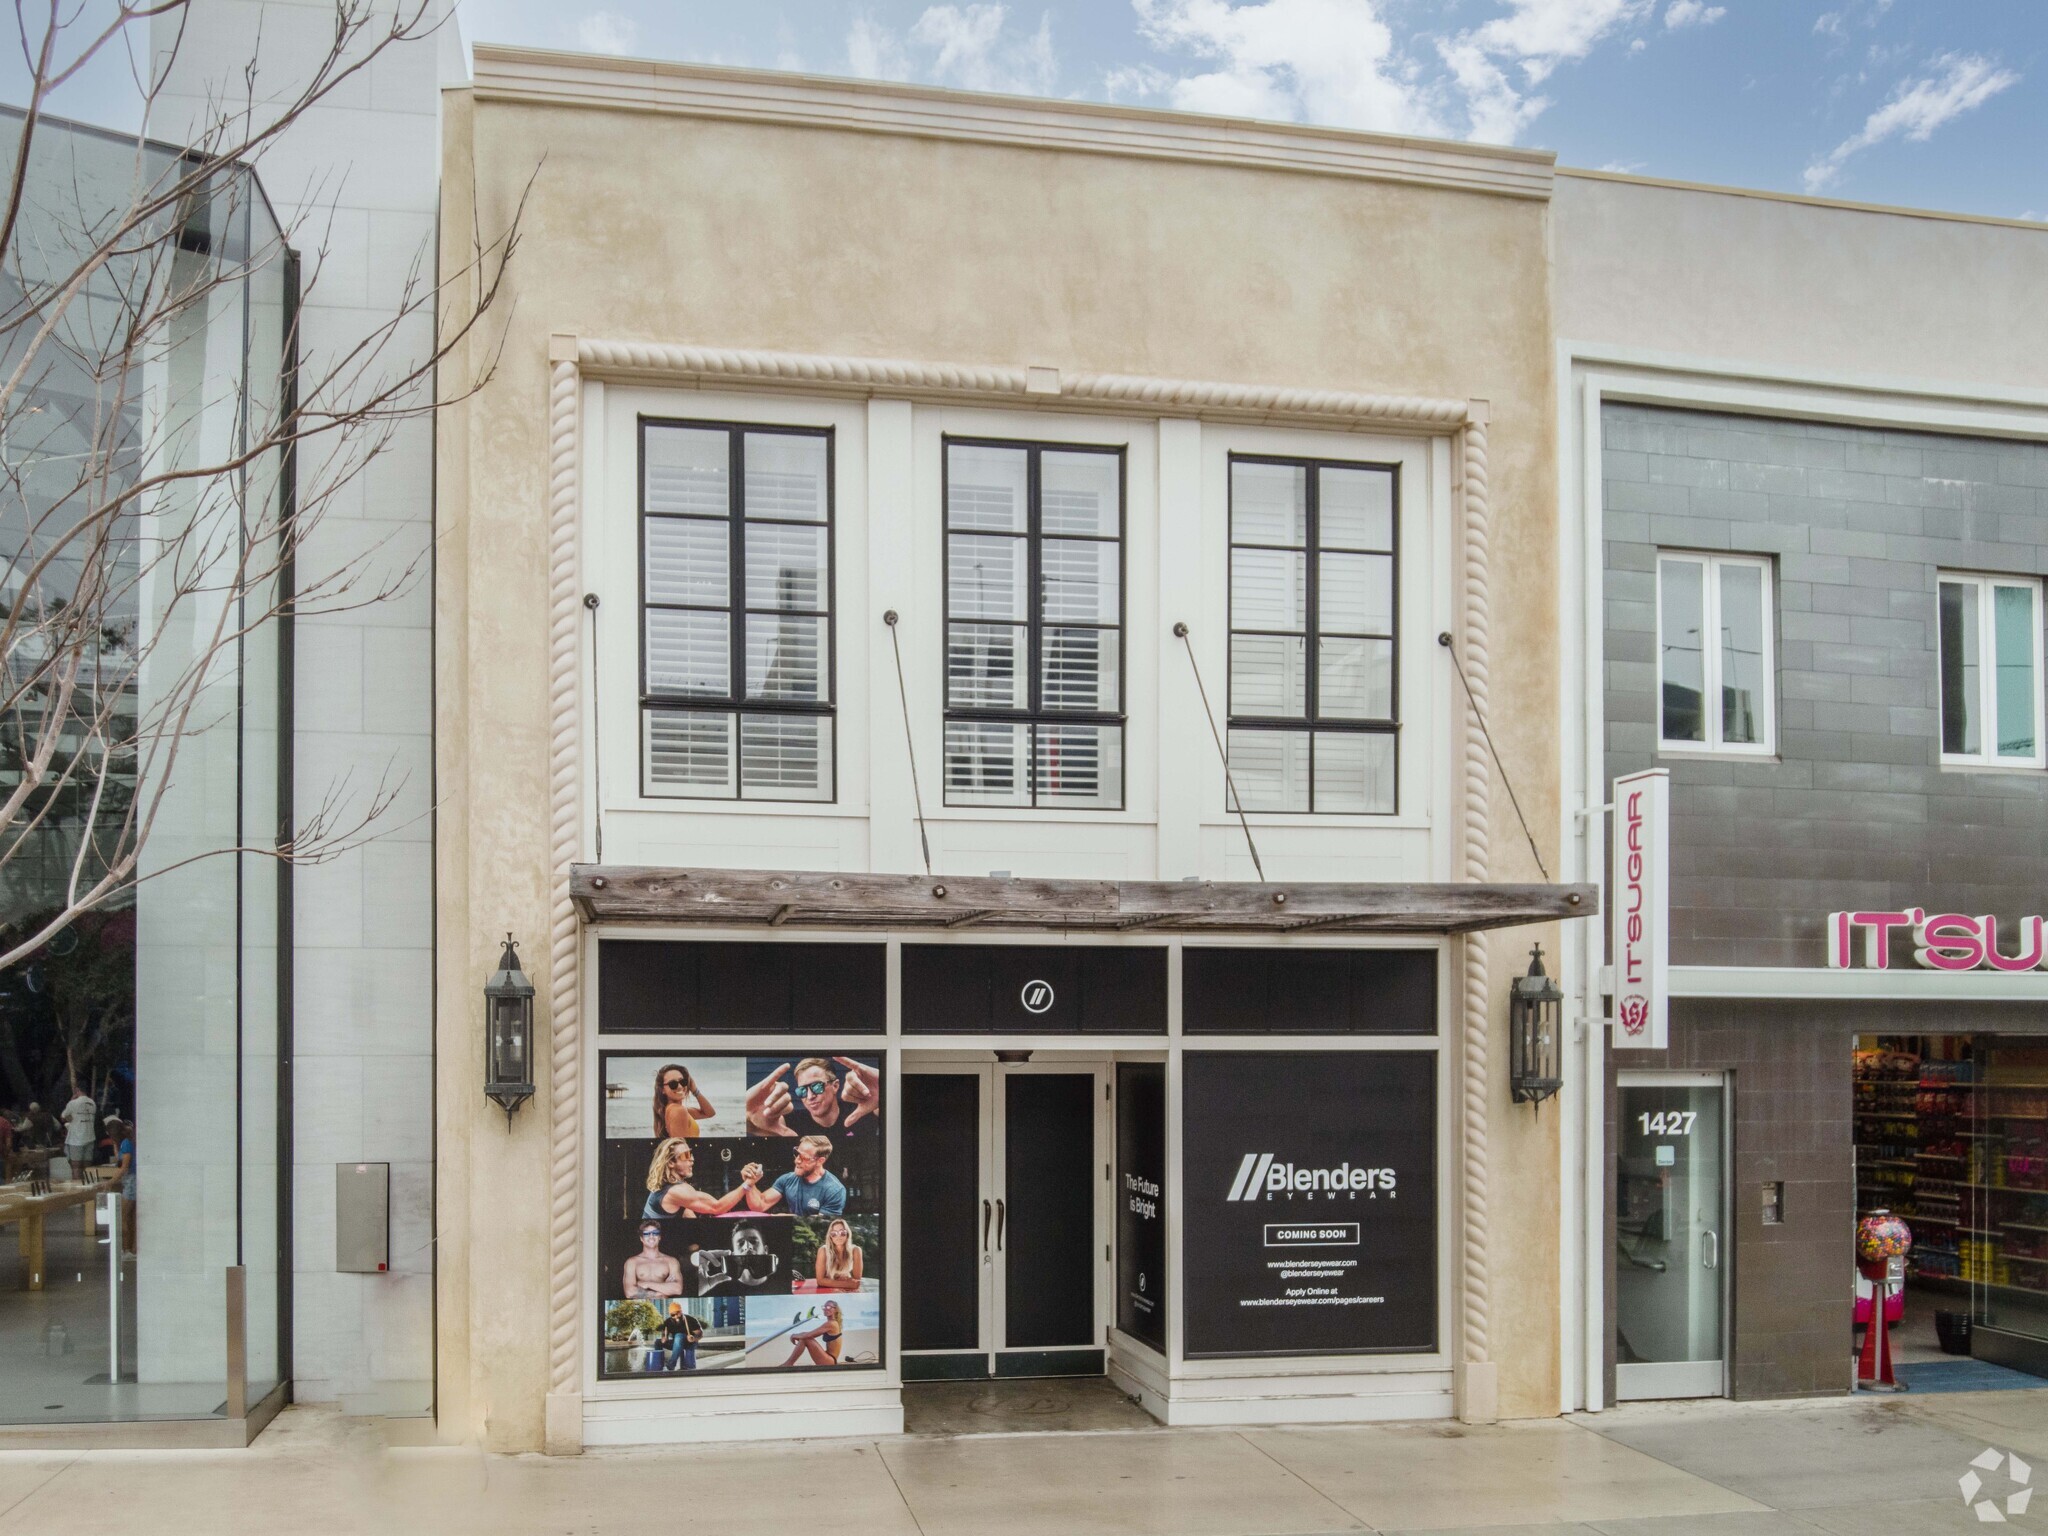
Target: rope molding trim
column 565, row 1291
column 1023, row 385
column 1475, row 835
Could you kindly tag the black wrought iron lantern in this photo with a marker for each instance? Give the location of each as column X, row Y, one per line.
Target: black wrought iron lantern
column 508, row 1033
column 1535, row 1025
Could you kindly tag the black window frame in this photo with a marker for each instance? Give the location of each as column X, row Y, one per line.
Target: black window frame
column 1034, row 714
column 736, row 702
column 1310, row 722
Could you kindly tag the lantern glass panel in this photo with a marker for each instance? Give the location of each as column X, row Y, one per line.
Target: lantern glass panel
column 508, row 1040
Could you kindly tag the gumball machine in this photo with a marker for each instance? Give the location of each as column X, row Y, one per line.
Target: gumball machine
column 1882, row 1242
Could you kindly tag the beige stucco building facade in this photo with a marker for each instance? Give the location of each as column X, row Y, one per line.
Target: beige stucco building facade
column 901, row 272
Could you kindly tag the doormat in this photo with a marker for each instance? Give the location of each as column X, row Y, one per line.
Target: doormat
column 1964, row 1376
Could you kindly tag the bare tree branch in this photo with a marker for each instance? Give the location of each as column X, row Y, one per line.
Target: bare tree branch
column 148, row 532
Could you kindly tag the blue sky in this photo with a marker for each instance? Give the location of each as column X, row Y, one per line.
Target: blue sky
column 1934, row 103
column 1928, row 103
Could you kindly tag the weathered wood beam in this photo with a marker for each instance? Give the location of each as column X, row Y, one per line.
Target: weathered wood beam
column 680, row 895
column 776, row 898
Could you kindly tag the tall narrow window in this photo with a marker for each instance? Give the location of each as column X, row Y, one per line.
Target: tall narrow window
column 736, row 612
column 1991, row 670
column 1314, row 707
column 1715, row 672
column 1034, row 616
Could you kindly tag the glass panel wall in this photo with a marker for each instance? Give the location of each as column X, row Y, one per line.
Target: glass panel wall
column 141, row 744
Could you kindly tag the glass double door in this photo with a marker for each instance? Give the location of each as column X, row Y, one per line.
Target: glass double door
column 1671, row 1224
column 1004, row 1267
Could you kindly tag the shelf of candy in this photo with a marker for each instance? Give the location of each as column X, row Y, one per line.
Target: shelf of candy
column 1887, row 1142
column 1983, row 1258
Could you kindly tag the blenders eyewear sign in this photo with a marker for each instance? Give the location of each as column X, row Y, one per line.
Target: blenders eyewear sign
column 1310, row 1206
column 1639, row 899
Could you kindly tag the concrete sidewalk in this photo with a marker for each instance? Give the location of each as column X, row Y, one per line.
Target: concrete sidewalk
column 1737, row 1469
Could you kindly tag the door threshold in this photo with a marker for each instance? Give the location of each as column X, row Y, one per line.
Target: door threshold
column 1021, row 1405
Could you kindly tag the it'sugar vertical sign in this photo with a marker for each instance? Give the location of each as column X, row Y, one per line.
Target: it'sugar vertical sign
column 1638, row 899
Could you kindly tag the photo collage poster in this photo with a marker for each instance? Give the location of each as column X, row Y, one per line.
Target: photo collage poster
column 739, row 1212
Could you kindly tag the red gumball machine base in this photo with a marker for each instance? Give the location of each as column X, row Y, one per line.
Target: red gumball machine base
column 1874, row 1360
column 1882, row 1242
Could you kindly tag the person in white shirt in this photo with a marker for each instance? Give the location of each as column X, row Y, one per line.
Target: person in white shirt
column 81, row 1130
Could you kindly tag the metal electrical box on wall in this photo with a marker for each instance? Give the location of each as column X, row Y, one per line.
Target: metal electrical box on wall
column 362, row 1218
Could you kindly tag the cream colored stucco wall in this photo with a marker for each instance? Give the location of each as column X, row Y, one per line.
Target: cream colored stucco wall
column 1798, row 287
column 683, row 229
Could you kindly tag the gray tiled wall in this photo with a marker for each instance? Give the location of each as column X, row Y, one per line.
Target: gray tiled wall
column 1855, row 811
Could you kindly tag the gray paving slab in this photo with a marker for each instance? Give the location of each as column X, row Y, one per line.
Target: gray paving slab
column 1839, row 1455
column 1769, row 1523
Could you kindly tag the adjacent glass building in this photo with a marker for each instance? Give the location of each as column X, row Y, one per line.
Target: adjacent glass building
column 144, row 746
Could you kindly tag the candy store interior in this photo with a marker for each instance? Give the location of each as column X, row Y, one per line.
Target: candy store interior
column 1951, row 1133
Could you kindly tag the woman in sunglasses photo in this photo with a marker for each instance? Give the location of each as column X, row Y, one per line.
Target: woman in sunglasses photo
column 679, row 1104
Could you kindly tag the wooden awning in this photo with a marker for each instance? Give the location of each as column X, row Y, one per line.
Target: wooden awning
column 742, row 898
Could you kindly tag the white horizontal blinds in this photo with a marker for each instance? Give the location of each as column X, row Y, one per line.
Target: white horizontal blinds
column 1034, row 653
column 1312, row 636
column 736, row 661
column 689, row 752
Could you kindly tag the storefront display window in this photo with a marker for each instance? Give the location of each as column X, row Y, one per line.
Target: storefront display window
column 740, row 1219
column 1309, row 1221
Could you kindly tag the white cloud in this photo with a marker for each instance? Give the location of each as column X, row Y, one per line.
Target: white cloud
column 607, row 32
column 1692, row 13
column 1531, row 40
column 1837, row 23
column 1326, row 61
column 872, row 51
column 1136, row 82
column 1917, row 108
column 970, row 46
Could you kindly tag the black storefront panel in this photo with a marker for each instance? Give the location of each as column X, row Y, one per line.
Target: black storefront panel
column 1309, row 1218
column 1033, row 989
column 649, row 987
column 1141, row 1201
column 1266, row 991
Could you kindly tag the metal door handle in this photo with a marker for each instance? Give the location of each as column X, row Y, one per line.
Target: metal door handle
column 984, row 1226
column 1712, row 1258
column 1002, row 1216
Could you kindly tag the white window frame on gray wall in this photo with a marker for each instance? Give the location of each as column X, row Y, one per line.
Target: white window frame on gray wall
column 705, row 600
column 1712, row 736
column 1986, row 702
